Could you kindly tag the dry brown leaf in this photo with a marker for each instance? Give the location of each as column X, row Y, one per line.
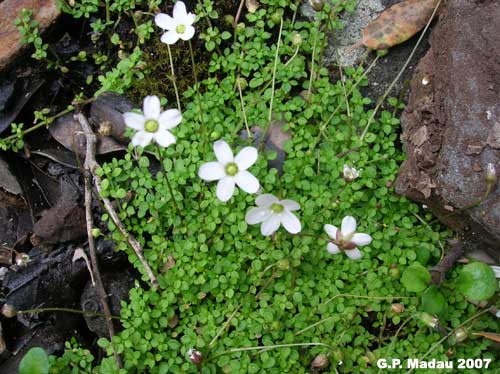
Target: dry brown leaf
column 489, row 335
column 398, row 23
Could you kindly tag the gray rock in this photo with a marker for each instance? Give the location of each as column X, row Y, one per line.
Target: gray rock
column 452, row 121
column 353, row 25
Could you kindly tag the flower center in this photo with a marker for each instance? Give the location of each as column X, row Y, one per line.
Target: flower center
column 180, row 29
column 277, row 208
column 151, row 125
column 231, row 169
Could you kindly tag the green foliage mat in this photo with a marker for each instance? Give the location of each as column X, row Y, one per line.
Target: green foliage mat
column 254, row 304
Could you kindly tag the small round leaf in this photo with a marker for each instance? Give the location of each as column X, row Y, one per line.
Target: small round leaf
column 416, row 278
column 35, row 361
column 477, row 281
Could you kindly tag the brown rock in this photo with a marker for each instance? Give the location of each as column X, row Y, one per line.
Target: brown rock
column 451, row 124
column 45, row 11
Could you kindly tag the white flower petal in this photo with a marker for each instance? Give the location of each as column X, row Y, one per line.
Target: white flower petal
column 188, row 33
column 179, row 10
column 290, row 205
column 348, row 226
column 142, row 139
column 247, row 182
column 290, row 222
column 223, row 152
column 134, row 120
column 189, row 19
column 246, row 158
column 169, row 119
column 265, row 200
column 169, row 37
column 225, row 189
column 165, row 22
column 151, row 107
column 361, row 239
column 212, row 171
column 164, row 138
column 354, row 254
column 332, row 248
column 496, row 270
column 270, row 225
column 331, row 231
column 257, row 215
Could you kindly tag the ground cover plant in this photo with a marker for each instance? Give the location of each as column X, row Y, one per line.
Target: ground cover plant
column 267, row 264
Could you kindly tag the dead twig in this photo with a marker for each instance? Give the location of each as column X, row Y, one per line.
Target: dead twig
column 91, row 165
column 96, row 275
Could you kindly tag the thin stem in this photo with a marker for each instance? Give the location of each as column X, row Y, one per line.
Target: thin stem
column 161, row 159
column 243, row 109
column 293, row 56
column 204, row 129
column 224, row 327
column 273, row 87
column 438, row 343
column 382, row 99
column 368, row 297
column 234, row 350
column 51, row 119
column 325, row 124
column 174, row 79
column 309, row 89
column 238, row 14
column 68, row 310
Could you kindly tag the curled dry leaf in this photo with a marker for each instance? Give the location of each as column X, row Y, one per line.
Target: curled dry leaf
column 79, row 254
column 398, row 23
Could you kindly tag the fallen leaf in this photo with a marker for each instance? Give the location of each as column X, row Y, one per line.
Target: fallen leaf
column 8, row 182
column 67, row 131
column 398, row 23
column 79, row 254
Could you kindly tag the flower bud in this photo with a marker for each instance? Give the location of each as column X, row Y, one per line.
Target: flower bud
column 195, row 356
column 317, row 5
column 283, row 264
column 229, row 19
column 397, row 308
column 276, row 18
column 96, row 232
column 461, row 334
column 491, row 174
column 243, row 83
column 429, row 320
column 296, row 39
column 8, row 311
column 320, row 362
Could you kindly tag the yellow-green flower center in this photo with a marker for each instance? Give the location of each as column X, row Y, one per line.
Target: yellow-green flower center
column 277, row 208
column 231, row 169
column 180, row 29
column 151, row 125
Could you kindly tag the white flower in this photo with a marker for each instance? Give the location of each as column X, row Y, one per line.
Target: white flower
column 350, row 173
column 178, row 26
column 346, row 239
column 272, row 212
column 229, row 170
column 153, row 124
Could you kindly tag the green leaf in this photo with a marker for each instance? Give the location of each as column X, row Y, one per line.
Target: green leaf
column 35, row 361
column 477, row 281
column 433, row 301
column 415, row 278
